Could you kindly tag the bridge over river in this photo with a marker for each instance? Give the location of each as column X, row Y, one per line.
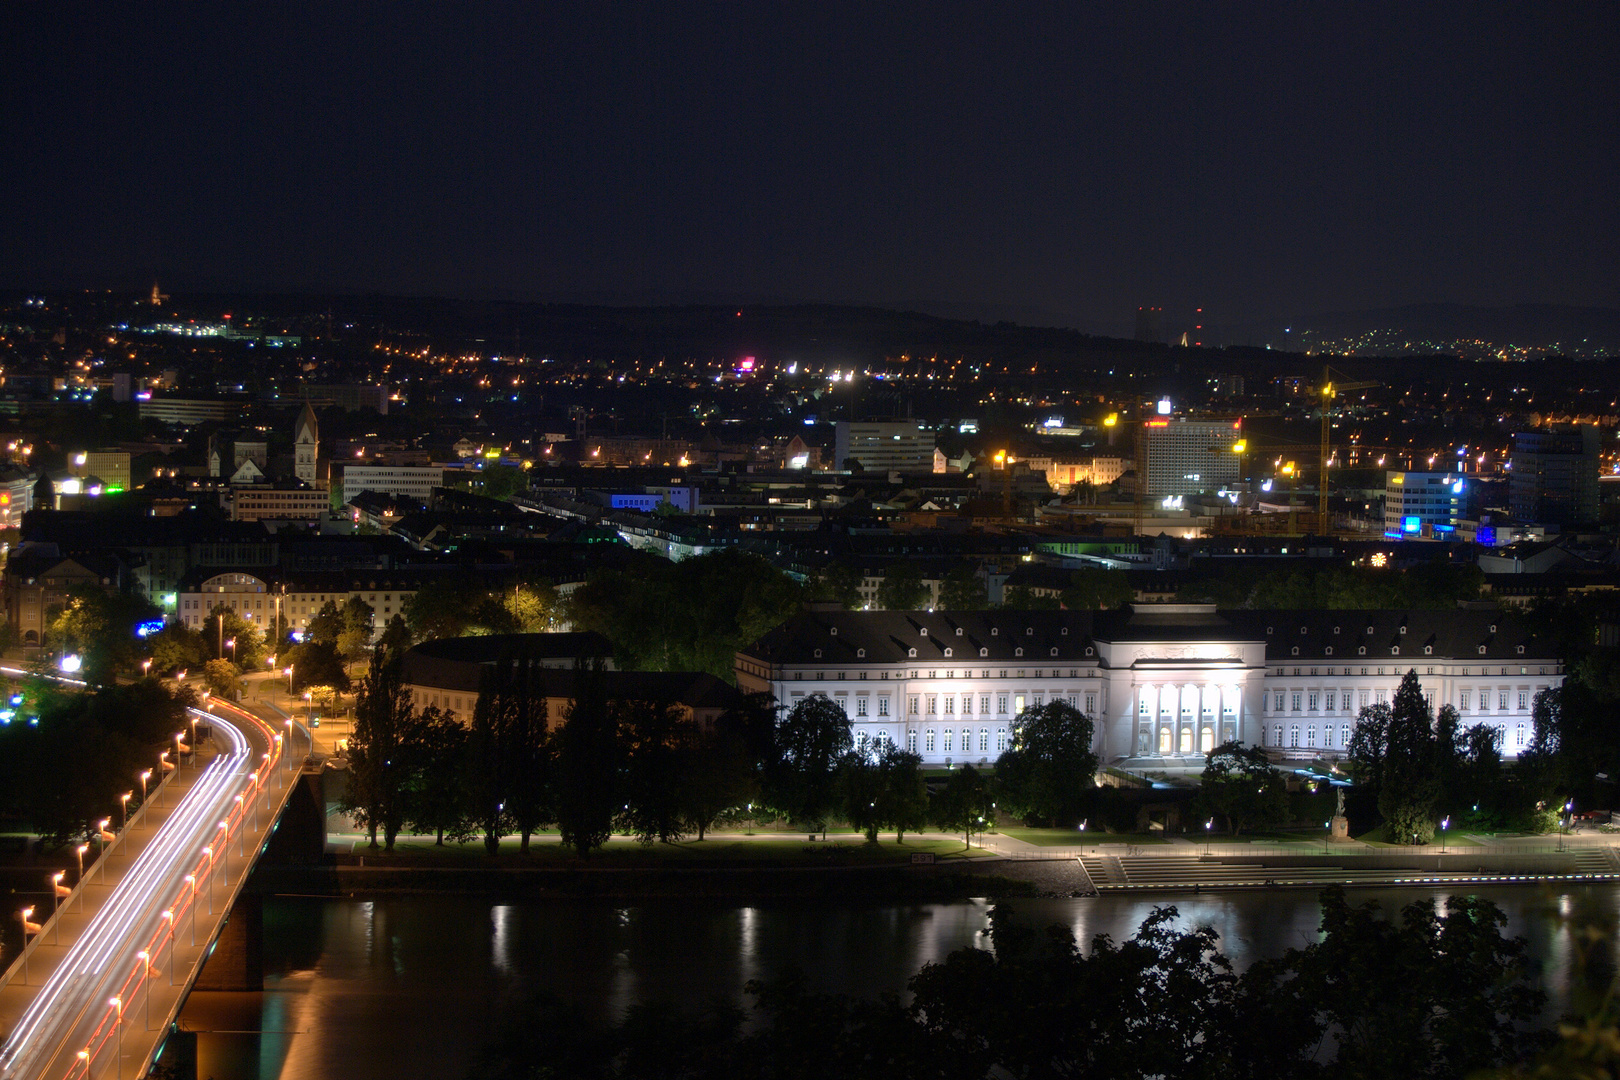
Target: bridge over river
column 95, row 992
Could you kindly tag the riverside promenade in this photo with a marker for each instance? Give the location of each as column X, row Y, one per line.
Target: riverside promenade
column 1181, row 863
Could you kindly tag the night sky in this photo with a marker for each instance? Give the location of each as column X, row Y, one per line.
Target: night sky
column 1061, row 162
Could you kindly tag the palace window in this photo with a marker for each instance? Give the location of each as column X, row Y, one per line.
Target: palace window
column 911, row 742
column 933, row 705
column 928, row 741
column 984, row 704
column 967, row 704
column 948, row 734
column 860, row 705
column 1001, row 740
column 1462, row 700
column 1296, row 700
column 1314, row 699
column 984, row 740
column 1001, row 704
column 883, row 706
column 950, row 704
column 912, row 705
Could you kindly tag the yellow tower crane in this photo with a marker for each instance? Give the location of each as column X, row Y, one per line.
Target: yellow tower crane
column 1328, row 390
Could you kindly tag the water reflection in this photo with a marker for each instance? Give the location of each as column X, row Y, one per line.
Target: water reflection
column 354, row 987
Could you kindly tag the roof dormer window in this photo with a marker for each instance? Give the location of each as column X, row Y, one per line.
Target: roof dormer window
column 860, row 654
column 1054, row 652
column 958, row 631
column 818, row 654
column 984, row 652
column 911, row 652
column 1018, row 651
column 947, row 654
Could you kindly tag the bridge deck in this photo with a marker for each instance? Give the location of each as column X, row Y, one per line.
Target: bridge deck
column 60, row 1021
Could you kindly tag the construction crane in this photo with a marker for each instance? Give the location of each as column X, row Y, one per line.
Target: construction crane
column 1328, row 390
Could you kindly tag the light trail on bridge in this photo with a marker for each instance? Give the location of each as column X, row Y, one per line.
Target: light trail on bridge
column 96, row 983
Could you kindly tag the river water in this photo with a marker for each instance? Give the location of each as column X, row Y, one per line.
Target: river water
column 356, row 989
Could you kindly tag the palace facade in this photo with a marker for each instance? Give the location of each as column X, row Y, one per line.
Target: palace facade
column 1164, row 683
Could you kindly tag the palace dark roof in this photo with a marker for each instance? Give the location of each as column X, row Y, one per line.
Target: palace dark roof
column 829, row 638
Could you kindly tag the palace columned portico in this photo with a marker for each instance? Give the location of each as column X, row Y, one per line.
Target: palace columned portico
column 1164, row 683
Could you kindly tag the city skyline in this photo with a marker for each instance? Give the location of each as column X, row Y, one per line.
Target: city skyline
column 1042, row 164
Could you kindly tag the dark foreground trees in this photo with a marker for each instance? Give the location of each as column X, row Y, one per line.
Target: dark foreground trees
column 1426, row 994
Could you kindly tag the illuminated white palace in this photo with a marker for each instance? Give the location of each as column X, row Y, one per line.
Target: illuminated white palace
column 1165, row 683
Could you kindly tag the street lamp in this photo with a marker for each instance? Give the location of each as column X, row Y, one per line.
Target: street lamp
column 1327, row 832
column 28, row 928
column 118, row 1024
column 1445, row 823
column 168, row 919
column 232, row 643
column 1208, row 825
column 209, row 851
column 106, row 838
column 287, row 671
column 145, row 776
column 191, row 879
column 146, row 667
column 79, row 881
column 180, row 747
column 146, row 962
column 124, row 806
column 59, row 892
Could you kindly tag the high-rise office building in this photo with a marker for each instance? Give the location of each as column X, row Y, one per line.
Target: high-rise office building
column 1185, row 457
column 884, row 446
column 1423, row 503
column 1554, row 475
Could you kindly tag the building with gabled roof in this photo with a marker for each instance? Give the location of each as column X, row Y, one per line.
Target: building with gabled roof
column 1164, row 683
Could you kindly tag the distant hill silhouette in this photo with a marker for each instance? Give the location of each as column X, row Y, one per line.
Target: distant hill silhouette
column 1581, row 330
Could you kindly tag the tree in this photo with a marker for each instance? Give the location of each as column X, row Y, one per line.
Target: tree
column 962, row 589
column 434, row 802
column 1241, row 784
column 176, row 648
column 839, row 583
column 1048, row 771
column 325, row 625
column 316, row 663
column 716, row 773
column 902, row 588
column 514, row 704
column 963, row 805
column 858, row 787
column 1409, row 790
column 382, row 752
column 658, row 736
column 801, row 775
column 222, row 678
column 590, row 764
column 223, row 626
column 1095, row 589
column 396, row 636
column 1369, row 744
column 354, row 637
column 533, row 607
column 1447, row 995
column 902, row 794
column 99, row 625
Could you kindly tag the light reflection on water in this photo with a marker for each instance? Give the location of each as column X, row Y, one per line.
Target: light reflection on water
column 354, row 988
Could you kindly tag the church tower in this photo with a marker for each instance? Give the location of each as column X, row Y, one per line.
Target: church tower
column 306, row 442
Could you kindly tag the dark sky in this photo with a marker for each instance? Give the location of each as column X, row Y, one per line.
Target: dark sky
column 1072, row 159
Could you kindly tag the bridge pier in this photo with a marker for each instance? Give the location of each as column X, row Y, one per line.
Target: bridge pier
column 237, row 961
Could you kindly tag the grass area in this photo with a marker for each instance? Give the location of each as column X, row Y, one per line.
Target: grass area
column 1076, row 838
column 1380, row 837
column 839, row 848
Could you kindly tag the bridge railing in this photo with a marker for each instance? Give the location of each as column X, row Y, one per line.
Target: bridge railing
column 108, row 850
column 185, row 901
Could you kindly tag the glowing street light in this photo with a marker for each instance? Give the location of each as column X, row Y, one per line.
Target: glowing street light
column 146, row 962
column 168, row 920
column 1445, row 823
column 118, row 1023
column 59, row 892
column 124, row 806
column 145, row 776
column 146, row 667
column 28, row 928
column 209, row 851
column 79, row 881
